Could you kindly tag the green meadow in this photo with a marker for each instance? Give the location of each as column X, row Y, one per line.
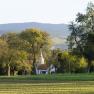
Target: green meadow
column 48, row 84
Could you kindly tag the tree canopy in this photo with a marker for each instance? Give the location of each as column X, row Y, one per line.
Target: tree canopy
column 81, row 40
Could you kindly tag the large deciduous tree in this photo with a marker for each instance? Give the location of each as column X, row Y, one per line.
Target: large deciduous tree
column 14, row 52
column 38, row 40
column 81, row 40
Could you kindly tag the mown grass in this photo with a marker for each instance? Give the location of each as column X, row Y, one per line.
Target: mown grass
column 48, row 84
column 48, row 88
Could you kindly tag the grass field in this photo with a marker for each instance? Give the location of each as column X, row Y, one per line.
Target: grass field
column 48, row 84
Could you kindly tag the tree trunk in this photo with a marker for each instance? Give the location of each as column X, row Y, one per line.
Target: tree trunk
column 33, row 70
column 69, row 68
column 34, row 60
column 89, row 66
column 75, row 38
column 8, row 70
column 80, row 48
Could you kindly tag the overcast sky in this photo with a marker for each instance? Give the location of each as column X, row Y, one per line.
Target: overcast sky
column 45, row 11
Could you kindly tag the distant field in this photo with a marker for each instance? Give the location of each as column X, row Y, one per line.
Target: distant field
column 48, row 84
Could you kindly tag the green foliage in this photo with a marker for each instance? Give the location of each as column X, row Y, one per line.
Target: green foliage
column 67, row 62
column 15, row 42
column 19, row 51
column 83, row 63
column 81, row 39
column 38, row 40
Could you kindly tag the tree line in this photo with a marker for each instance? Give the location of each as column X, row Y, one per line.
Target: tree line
column 80, row 54
column 20, row 51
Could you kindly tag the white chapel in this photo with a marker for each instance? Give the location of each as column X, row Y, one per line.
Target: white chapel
column 42, row 67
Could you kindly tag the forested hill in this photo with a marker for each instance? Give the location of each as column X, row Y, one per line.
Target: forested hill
column 59, row 32
column 53, row 29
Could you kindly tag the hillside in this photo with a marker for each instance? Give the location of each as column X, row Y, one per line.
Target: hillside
column 58, row 32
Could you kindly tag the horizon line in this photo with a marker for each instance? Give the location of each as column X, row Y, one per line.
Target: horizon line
column 30, row 22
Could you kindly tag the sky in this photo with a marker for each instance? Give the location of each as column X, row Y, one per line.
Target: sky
column 44, row 11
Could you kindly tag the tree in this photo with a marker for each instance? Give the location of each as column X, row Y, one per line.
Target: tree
column 83, row 64
column 76, row 38
column 13, row 56
column 38, row 40
column 64, row 61
column 3, row 55
column 89, row 50
column 14, row 60
column 81, row 40
column 15, row 42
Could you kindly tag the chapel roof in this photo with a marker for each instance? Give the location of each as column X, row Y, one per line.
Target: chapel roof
column 43, row 67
